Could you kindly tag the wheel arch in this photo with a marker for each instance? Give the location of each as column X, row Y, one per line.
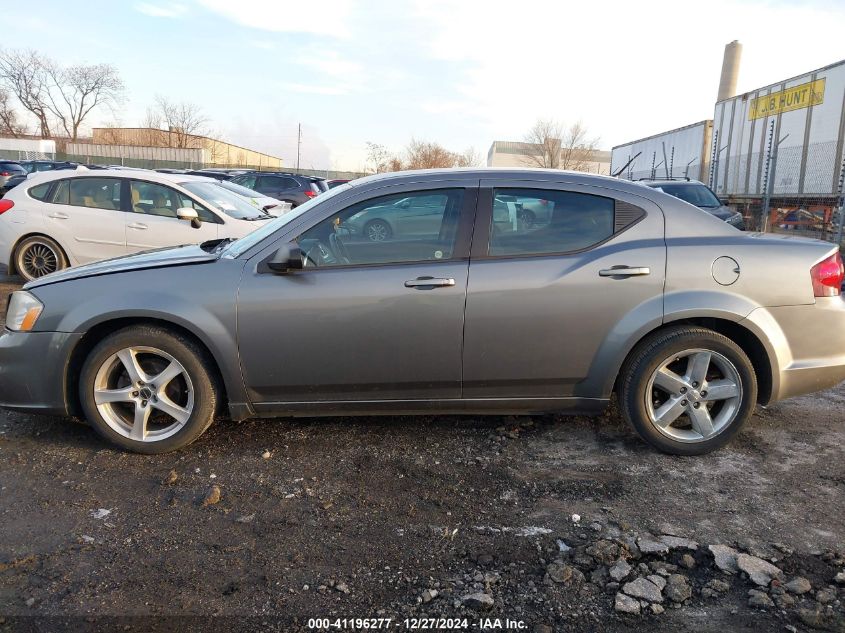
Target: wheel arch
column 749, row 341
column 13, row 250
column 99, row 331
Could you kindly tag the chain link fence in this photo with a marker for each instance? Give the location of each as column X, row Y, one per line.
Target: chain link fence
column 795, row 190
column 147, row 163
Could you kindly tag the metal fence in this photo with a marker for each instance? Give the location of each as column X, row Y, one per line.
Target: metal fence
column 144, row 163
column 794, row 190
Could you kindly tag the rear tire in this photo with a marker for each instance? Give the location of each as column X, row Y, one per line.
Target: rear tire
column 377, row 231
column 38, row 255
column 687, row 390
column 147, row 390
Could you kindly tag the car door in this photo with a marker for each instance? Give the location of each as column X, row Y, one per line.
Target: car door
column 84, row 215
column 152, row 222
column 363, row 320
column 549, row 299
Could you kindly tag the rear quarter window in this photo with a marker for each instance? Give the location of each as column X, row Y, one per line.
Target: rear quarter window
column 39, row 192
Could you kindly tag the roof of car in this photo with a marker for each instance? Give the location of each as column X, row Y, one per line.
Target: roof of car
column 667, row 181
column 136, row 174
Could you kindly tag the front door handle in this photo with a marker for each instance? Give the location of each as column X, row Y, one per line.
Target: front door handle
column 625, row 271
column 429, row 282
column 137, row 225
column 58, row 215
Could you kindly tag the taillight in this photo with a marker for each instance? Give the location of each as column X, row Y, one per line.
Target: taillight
column 310, row 193
column 5, row 173
column 827, row 276
column 5, row 205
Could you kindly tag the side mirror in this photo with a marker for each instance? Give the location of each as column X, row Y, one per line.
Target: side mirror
column 186, row 213
column 286, row 259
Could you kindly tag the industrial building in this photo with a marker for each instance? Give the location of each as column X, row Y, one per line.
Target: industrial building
column 156, row 144
column 518, row 154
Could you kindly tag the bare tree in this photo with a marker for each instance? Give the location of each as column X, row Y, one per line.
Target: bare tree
column 22, row 73
column 577, row 148
column 551, row 145
column 469, row 158
column 75, row 91
column 184, row 121
column 9, row 123
column 378, row 158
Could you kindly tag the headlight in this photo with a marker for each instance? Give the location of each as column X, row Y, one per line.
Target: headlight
column 23, row 311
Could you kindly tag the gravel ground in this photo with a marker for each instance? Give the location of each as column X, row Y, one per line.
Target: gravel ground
column 268, row 523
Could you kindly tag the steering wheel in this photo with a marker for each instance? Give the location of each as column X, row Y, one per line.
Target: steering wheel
column 319, row 255
column 339, row 248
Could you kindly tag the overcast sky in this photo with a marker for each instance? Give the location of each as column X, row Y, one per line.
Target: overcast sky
column 459, row 72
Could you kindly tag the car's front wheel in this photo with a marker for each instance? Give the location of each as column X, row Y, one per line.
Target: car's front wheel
column 687, row 390
column 147, row 389
column 38, row 255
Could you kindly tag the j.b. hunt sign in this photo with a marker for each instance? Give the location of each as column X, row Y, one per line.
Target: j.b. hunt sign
column 803, row 96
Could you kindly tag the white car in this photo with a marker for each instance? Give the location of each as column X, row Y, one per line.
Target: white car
column 265, row 203
column 58, row 219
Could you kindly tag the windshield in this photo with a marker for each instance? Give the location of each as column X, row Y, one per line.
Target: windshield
column 694, row 193
column 245, row 243
column 241, row 190
column 227, row 202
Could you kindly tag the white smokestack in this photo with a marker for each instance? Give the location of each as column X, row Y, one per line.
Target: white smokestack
column 730, row 70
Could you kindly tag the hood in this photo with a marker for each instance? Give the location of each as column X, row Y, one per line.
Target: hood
column 723, row 212
column 157, row 258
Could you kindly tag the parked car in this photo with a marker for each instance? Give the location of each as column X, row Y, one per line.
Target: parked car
column 699, row 195
column 287, row 187
column 336, row 182
column 625, row 289
column 256, row 199
column 9, row 169
column 61, row 218
column 32, row 166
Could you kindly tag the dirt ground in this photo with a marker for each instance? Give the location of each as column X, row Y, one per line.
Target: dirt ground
column 369, row 517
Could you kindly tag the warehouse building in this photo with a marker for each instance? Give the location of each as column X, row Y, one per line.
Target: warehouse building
column 207, row 151
column 519, row 154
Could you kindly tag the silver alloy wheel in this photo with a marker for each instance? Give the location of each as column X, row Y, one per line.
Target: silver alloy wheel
column 377, row 231
column 694, row 395
column 38, row 259
column 143, row 393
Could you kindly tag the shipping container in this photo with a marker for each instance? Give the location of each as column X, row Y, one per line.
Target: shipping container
column 683, row 152
column 806, row 114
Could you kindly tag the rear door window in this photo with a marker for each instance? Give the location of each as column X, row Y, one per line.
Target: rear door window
column 7, row 169
column 536, row 222
column 276, row 183
column 96, row 193
column 39, row 192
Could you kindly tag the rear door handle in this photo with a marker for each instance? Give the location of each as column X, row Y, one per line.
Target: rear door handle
column 429, row 282
column 625, row 271
column 137, row 225
column 58, row 215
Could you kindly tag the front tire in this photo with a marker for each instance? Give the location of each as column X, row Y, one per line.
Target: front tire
column 687, row 390
column 38, row 255
column 147, row 390
column 378, row 231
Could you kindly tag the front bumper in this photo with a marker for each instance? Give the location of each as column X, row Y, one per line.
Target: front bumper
column 33, row 366
column 807, row 345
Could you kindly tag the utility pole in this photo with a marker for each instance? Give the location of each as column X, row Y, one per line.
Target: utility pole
column 298, row 144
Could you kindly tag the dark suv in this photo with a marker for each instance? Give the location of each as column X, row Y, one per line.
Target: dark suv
column 283, row 186
column 699, row 195
column 47, row 165
column 9, row 169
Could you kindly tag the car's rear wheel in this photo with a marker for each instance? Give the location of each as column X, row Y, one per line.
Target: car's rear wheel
column 687, row 390
column 147, row 390
column 377, row 230
column 38, row 255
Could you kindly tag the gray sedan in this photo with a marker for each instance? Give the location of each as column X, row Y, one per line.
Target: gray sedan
column 619, row 289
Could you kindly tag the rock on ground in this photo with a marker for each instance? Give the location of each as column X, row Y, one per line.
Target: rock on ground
column 643, row 588
column 799, row 586
column 626, row 604
column 759, row 571
column 479, row 601
column 725, row 558
column 677, row 588
column 759, row 599
column 620, row 570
